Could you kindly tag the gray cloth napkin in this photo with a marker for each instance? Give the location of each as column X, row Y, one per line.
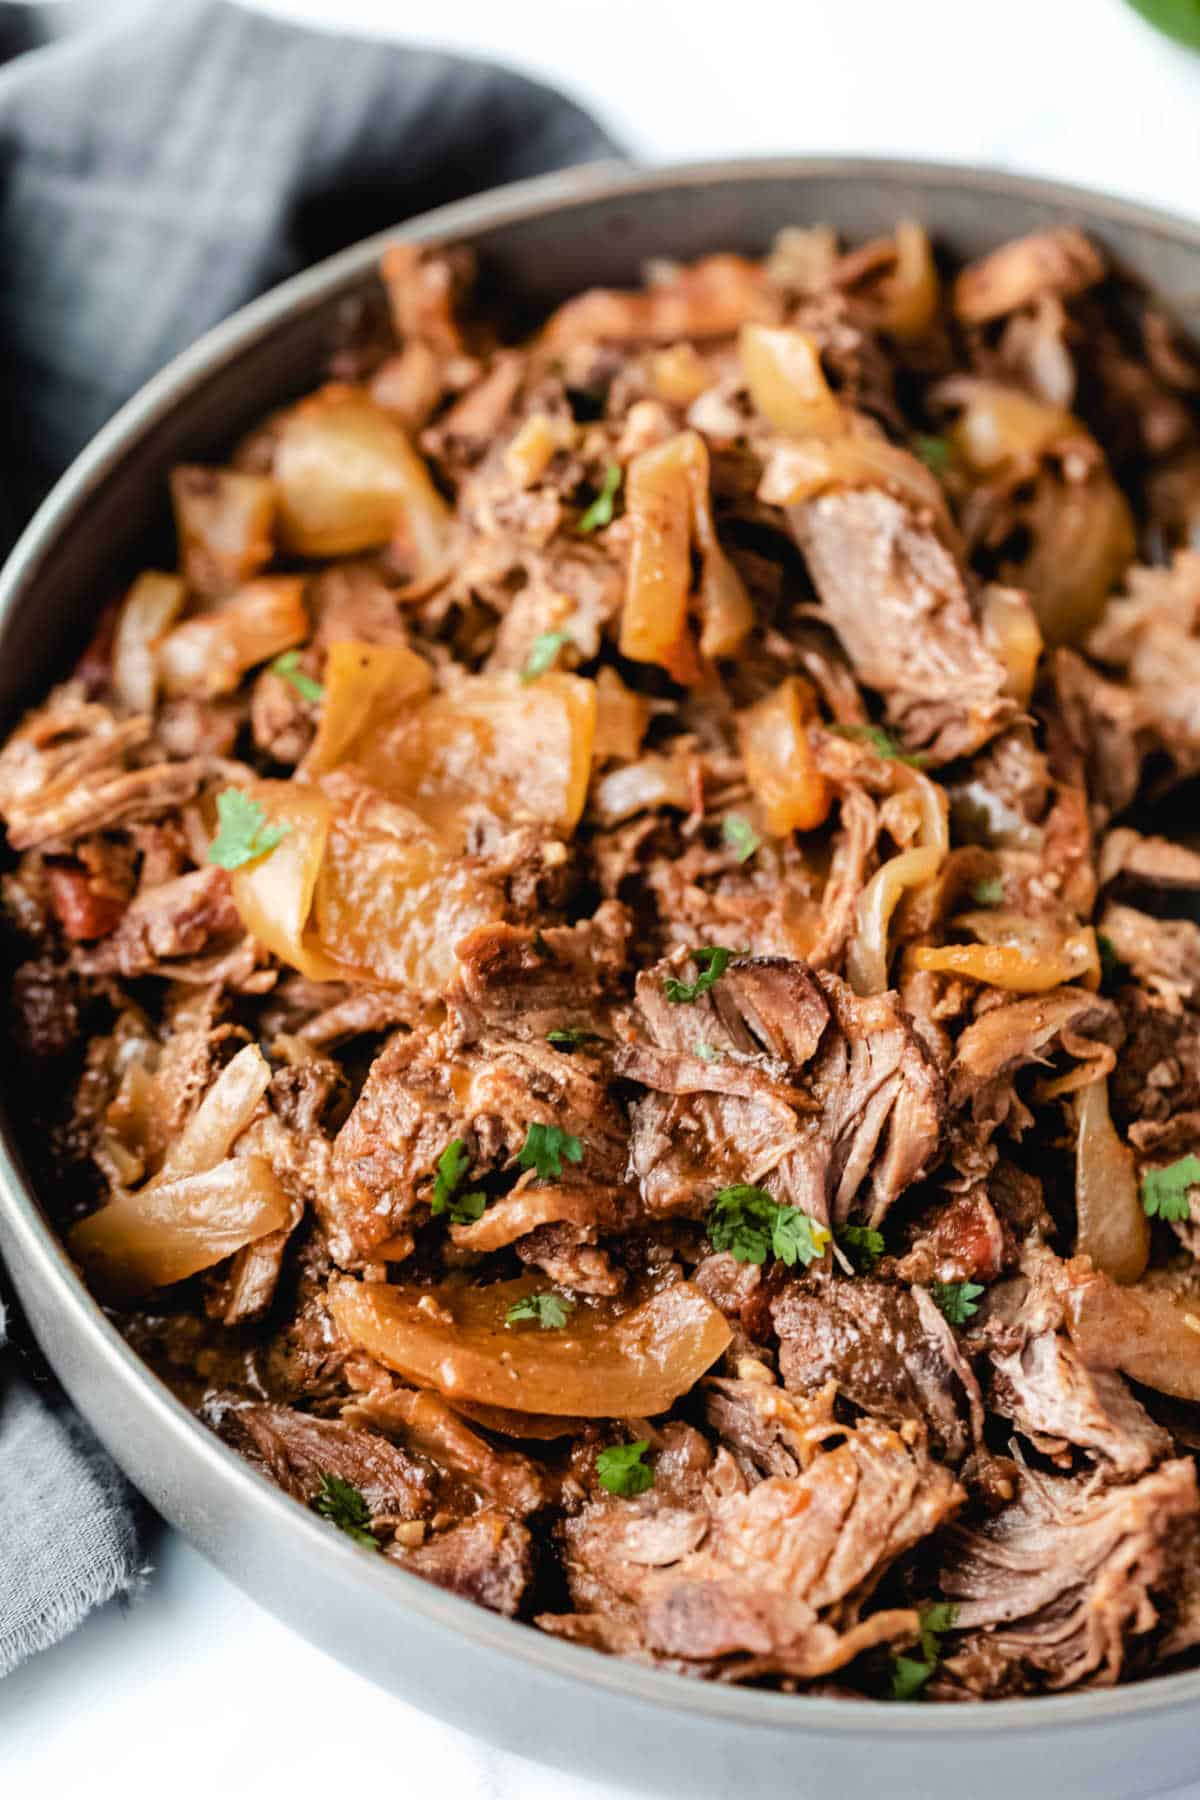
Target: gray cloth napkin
column 160, row 165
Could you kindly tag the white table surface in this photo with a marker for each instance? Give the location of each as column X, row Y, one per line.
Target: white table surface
column 193, row 1690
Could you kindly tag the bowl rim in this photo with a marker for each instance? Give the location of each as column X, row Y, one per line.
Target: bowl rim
column 36, row 1244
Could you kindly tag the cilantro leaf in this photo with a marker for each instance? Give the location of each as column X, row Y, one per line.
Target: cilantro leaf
column 741, row 836
column 550, row 1311
column 712, row 960
column 910, row 1673
column 937, row 453
column 600, row 512
column 867, row 1245
column 708, row 1053
column 451, row 1167
column 621, row 1470
column 543, row 654
column 881, row 741
column 242, row 831
column 959, row 1300
column 544, row 1148
column 1165, row 1191
column 748, row 1223
column 988, row 892
column 1110, row 962
column 342, row 1505
column 288, row 665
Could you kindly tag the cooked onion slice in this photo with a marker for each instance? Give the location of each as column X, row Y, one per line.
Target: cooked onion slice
column 908, row 296
column 148, row 611
column 349, row 480
column 208, row 655
column 1111, row 1224
column 598, row 1366
column 169, row 1230
column 787, row 383
column 779, row 760
column 221, row 1116
column 223, row 520
column 658, row 506
column 621, row 719
column 867, row 952
column 274, row 894
column 366, row 685
column 1019, row 970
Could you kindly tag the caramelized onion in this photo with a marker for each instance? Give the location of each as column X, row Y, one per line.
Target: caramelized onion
column 908, row 296
column 148, row 611
column 366, row 685
column 709, row 298
column 621, row 719
column 779, row 759
column 1000, row 426
column 1082, row 539
column 1111, row 1224
column 223, row 520
column 867, row 952
column 598, row 1366
column 1019, row 970
column 787, row 384
column 658, row 507
column 274, row 894
column 349, row 480
column 208, row 655
column 1012, row 634
column 169, row 1230
column 796, row 472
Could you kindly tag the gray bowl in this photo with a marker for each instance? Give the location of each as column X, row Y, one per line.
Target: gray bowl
column 501, row 1680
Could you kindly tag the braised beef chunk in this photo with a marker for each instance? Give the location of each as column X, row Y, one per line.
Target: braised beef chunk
column 612, row 993
column 886, row 1349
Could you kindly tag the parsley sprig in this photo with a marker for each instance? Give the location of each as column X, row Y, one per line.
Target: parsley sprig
column 571, row 1037
column 712, row 960
column 881, row 741
column 1165, row 1191
column 288, row 666
column 622, row 1471
column 451, row 1167
column 600, row 512
column 550, row 1311
column 937, row 453
column 543, row 654
column 544, row 1148
column 988, row 892
column 958, row 1300
column 342, row 1505
column 740, row 836
column 751, row 1225
column 243, row 831
column 910, row 1673
column 865, row 1245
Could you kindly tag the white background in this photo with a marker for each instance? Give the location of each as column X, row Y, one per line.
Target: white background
column 193, row 1690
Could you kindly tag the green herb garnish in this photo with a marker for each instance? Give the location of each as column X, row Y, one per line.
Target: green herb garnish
column 740, row 836
column 1110, row 962
column 600, row 512
column 543, row 654
column 959, row 1300
column 570, row 1037
column 712, row 960
column 751, row 1225
column 988, row 892
column 544, row 1148
column 937, row 453
column 341, row 1503
column 1165, row 1191
column 288, row 666
column 549, row 1311
column 910, row 1673
column 866, row 1246
column 451, row 1167
column 621, row 1470
column 708, row 1052
column 242, row 831
column 881, row 741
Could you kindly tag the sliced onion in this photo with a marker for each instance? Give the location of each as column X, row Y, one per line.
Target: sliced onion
column 454, row 1339
column 1000, row 425
column 908, row 296
column 658, row 507
column 221, row 1117
column 867, row 954
column 534, row 446
column 798, row 472
column 366, row 685
column 1111, row 1224
column 709, row 298
column 640, row 786
column 1014, row 968
column 726, row 610
column 1012, row 634
column 787, row 384
column 779, row 759
column 274, row 894
column 223, row 520
column 621, row 719
column 208, row 655
column 349, row 480
column 148, row 611
column 171, row 1229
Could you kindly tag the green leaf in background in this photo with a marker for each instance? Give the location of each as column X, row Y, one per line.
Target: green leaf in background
column 1180, row 19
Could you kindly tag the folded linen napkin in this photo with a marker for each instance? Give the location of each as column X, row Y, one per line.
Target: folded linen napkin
column 160, row 166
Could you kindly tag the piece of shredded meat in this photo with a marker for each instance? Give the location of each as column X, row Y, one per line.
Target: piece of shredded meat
column 605, row 977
